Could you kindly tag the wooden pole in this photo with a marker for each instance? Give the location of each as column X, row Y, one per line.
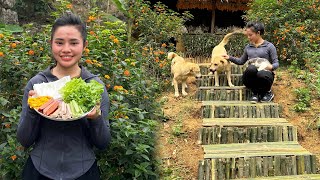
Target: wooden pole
column 213, row 18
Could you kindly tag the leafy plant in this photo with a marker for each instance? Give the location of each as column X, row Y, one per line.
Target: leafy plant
column 303, row 99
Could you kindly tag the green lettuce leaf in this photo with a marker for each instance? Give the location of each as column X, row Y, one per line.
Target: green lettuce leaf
column 87, row 95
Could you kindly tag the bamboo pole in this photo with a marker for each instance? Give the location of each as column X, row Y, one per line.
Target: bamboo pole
column 207, row 169
column 253, row 135
column 258, row 166
column 307, row 164
column 200, row 170
column 230, row 134
column 271, row 166
column 213, row 169
column 221, row 169
column 200, row 140
column 265, row 168
column 236, row 135
column 270, row 134
column 224, row 135
column 236, row 111
column 283, row 165
column 254, row 111
column 241, row 115
column 210, row 131
column 250, row 111
column 294, row 165
column 233, row 173
column 252, row 167
column 300, row 165
column 285, row 133
column 313, row 164
column 289, row 164
column 264, row 134
column 241, row 168
column 228, row 168
column 290, row 135
column 246, row 167
column 205, row 136
column 277, row 161
column 267, row 111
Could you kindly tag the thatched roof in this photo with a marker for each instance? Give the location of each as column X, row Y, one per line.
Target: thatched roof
column 223, row 5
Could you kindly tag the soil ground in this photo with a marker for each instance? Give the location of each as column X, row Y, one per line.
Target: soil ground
column 177, row 145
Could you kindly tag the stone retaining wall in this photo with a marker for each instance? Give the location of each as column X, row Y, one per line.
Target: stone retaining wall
column 7, row 14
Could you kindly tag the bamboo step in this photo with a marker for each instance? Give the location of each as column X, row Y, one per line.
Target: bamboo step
column 235, row 103
column 245, row 122
column 261, row 167
column 234, row 68
column 209, row 80
column 283, row 148
column 249, row 134
column 223, row 93
column 240, row 109
column 213, row 88
column 298, row 177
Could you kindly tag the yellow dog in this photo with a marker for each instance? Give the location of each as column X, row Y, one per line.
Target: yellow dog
column 220, row 64
column 181, row 70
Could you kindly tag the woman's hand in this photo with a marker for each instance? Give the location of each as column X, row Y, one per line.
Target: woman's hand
column 95, row 113
column 269, row 67
column 226, row 56
column 31, row 93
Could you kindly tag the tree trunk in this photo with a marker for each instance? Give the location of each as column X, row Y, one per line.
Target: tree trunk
column 213, row 18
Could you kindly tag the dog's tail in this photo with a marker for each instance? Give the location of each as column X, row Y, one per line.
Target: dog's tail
column 226, row 38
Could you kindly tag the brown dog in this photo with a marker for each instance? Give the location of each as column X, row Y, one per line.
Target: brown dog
column 181, row 70
column 218, row 63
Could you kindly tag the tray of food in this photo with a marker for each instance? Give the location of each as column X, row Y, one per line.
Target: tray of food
column 66, row 99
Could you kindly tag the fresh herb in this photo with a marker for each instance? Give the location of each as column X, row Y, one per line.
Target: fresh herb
column 86, row 95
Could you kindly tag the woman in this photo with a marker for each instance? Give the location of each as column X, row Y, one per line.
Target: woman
column 64, row 150
column 259, row 82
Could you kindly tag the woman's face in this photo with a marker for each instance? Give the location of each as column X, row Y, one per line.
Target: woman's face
column 67, row 46
column 252, row 36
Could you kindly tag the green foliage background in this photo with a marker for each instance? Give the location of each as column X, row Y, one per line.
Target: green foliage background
column 293, row 26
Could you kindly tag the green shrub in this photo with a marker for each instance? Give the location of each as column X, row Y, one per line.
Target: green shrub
column 303, row 99
column 293, row 26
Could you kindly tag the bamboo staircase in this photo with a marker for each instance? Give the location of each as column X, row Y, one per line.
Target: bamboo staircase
column 247, row 141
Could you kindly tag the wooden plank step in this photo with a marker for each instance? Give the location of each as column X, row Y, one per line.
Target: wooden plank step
column 245, row 122
column 240, row 109
column 297, row 177
column 266, row 167
column 249, row 134
column 254, row 149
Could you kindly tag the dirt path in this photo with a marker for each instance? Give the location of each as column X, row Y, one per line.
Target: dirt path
column 177, row 137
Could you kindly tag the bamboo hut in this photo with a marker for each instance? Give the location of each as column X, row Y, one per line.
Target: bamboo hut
column 213, row 5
